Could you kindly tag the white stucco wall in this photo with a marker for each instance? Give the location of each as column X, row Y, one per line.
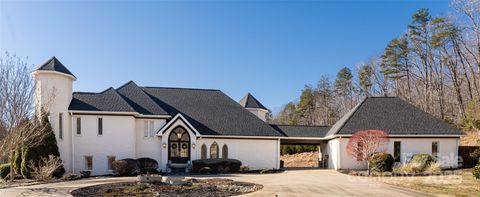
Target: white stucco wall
column 260, row 113
column 54, row 92
column 118, row 140
column 331, row 150
column 447, row 151
column 164, row 140
column 255, row 153
column 148, row 146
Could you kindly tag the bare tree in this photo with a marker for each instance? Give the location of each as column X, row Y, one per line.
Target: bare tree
column 363, row 144
column 22, row 130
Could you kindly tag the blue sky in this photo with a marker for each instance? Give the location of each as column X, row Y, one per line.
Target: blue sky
column 269, row 48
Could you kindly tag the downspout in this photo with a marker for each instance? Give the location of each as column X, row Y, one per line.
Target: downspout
column 278, row 153
column 339, row 160
column 72, row 144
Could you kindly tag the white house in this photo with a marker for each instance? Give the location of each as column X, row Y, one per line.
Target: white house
column 177, row 125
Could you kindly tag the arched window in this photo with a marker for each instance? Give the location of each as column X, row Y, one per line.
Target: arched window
column 224, row 151
column 204, row 152
column 214, row 151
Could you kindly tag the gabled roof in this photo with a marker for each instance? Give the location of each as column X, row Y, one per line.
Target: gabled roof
column 53, row 64
column 108, row 100
column 209, row 111
column 393, row 115
column 139, row 100
column 248, row 101
column 301, row 131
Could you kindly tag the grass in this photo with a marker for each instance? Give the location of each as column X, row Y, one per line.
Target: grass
column 460, row 184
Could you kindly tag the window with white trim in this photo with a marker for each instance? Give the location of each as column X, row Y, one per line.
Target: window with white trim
column 110, row 160
column 435, row 148
column 79, row 125
column 100, row 126
column 152, row 128
column 88, row 162
column 60, row 125
column 145, row 128
column 149, row 128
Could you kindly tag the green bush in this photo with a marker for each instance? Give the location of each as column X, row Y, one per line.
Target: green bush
column 4, row 170
column 205, row 170
column 47, row 147
column 149, row 171
column 424, row 160
column 381, row 162
column 71, row 176
column 146, row 162
column 125, row 167
column 217, row 165
column 476, row 171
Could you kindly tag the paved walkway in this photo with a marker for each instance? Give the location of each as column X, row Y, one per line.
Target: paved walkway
column 290, row 183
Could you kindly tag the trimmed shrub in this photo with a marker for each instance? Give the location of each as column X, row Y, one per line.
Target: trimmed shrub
column 217, row 165
column 149, row 171
column 71, row 176
column 46, row 148
column 125, row 167
column 85, row 174
column 476, row 171
column 205, row 170
column 244, row 168
column 381, row 162
column 424, row 160
column 4, row 170
column 146, row 163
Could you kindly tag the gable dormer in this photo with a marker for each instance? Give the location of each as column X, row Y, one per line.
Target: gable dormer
column 253, row 105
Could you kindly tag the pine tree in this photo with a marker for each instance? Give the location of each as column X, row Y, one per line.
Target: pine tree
column 46, row 148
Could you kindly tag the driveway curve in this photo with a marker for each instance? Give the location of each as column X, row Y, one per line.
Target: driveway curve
column 312, row 182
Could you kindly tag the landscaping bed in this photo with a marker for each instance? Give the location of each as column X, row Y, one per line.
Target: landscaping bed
column 192, row 187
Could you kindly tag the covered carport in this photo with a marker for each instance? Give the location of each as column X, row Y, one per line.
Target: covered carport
column 306, row 135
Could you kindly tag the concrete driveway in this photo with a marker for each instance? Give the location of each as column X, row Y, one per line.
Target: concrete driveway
column 317, row 182
column 311, row 182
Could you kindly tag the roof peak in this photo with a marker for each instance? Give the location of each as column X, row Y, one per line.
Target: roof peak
column 201, row 89
column 53, row 64
column 249, row 101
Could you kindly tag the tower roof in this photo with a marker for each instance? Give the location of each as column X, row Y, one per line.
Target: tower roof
column 248, row 101
column 54, row 65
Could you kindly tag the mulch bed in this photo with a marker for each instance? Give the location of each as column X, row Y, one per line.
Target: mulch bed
column 192, row 187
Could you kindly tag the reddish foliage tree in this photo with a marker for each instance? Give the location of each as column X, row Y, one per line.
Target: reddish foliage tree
column 364, row 144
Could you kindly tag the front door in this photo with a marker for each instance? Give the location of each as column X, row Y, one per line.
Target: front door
column 179, row 146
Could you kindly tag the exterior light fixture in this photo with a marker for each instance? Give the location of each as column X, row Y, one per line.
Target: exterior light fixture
column 193, row 145
column 164, row 145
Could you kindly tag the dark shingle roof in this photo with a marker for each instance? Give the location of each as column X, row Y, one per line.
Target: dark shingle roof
column 302, row 131
column 248, row 101
column 54, row 65
column 211, row 112
column 393, row 115
column 108, row 100
column 139, row 100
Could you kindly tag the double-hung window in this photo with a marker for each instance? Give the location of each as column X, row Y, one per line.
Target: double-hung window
column 148, row 128
column 100, row 126
column 60, row 125
column 79, row 125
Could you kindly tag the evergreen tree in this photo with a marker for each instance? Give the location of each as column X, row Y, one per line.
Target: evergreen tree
column 46, row 148
column 344, row 88
column 306, row 106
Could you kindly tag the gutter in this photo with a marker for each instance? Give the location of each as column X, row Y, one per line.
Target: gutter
column 73, row 143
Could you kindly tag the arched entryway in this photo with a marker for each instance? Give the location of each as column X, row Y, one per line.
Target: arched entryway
column 179, row 145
